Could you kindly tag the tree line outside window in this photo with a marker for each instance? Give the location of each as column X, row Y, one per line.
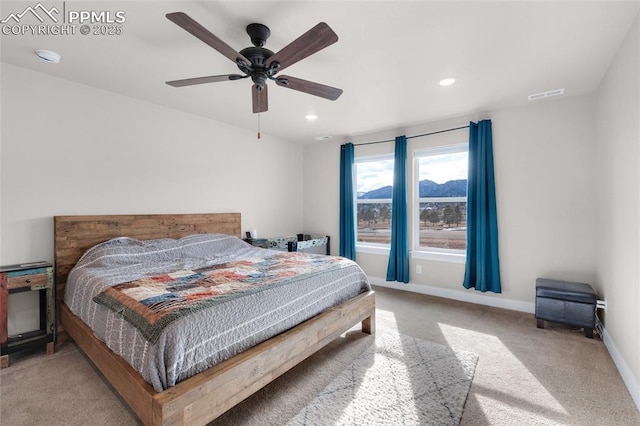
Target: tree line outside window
column 440, row 202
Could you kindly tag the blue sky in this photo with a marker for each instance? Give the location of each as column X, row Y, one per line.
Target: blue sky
column 438, row 168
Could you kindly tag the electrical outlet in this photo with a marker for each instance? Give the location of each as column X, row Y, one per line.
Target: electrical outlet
column 418, row 269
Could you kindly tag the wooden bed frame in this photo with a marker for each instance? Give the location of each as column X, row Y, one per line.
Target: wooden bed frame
column 203, row 397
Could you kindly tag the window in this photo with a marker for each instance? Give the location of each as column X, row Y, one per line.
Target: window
column 374, row 183
column 441, row 192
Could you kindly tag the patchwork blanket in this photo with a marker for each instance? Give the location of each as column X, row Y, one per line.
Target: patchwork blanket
column 217, row 327
column 151, row 303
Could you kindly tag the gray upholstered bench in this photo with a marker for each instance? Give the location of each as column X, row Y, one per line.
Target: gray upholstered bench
column 567, row 303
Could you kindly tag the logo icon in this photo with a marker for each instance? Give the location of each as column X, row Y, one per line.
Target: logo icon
column 38, row 11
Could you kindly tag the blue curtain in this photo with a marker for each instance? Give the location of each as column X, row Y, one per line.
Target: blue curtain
column 347, row 203
column 482, row 269
column 398, row 267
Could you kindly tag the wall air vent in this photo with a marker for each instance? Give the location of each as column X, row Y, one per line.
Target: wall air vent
column 550, row 93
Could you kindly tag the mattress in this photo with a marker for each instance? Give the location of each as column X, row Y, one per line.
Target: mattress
column 216, row 330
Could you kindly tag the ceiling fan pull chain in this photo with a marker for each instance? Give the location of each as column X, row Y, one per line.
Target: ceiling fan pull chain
column 258, row 125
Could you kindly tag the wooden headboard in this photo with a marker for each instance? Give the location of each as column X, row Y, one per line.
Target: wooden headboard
column 73, row 235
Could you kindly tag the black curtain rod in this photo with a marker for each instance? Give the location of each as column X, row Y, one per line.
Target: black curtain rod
column 414, row 136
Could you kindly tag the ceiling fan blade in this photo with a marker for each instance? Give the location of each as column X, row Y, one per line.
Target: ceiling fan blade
column 260, row 101
column 202, row 80
column 317, row 89
column 317, row 38
column 187, row 23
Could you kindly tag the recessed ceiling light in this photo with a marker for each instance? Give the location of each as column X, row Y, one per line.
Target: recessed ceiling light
column 311, row 117
column 48, row 56
column 323, row 137
column 447, row 81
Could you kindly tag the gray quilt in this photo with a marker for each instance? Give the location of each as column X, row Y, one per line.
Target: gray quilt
column 208, row 336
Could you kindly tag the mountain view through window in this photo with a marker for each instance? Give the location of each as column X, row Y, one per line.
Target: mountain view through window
column 440, row 202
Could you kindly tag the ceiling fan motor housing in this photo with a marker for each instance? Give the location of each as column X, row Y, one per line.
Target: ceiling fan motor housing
column 257, row 55
column 258, row 71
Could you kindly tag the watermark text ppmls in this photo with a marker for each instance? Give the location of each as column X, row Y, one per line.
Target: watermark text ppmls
column 61, row 18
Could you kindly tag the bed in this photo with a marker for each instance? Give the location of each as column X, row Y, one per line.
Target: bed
column 207, row 394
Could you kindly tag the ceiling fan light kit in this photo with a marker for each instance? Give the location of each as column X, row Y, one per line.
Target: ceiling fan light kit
column 261, row 64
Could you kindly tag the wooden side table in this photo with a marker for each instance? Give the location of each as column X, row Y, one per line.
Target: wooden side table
column 35, row 276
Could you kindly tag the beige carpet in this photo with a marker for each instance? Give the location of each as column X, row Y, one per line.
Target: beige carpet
column 400, row 380
column 525, row 376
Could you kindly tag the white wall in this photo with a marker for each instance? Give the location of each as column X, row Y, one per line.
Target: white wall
column 70, row 149
column 618, row 206
column 544, row 157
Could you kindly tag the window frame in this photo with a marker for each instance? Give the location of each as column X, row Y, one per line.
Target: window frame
column 364, row 246
column 433, row 253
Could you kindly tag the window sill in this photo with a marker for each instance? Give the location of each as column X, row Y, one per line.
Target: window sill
column 439, row 256
column 415, row 254
column 373, row 249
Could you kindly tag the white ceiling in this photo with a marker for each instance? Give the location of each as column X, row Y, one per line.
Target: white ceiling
column 388, row 60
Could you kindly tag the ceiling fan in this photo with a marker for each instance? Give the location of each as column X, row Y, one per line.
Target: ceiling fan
column 262, row 64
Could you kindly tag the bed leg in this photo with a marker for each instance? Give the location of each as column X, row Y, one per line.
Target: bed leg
column 369, row 324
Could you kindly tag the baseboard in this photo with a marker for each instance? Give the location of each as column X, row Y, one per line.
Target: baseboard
column 462, row 295
column 625, row 372
column 515, row 305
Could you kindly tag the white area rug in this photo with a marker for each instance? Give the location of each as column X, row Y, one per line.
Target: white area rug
column 401, row 380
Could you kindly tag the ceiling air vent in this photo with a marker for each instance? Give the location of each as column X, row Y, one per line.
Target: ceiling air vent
column 550, row 93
